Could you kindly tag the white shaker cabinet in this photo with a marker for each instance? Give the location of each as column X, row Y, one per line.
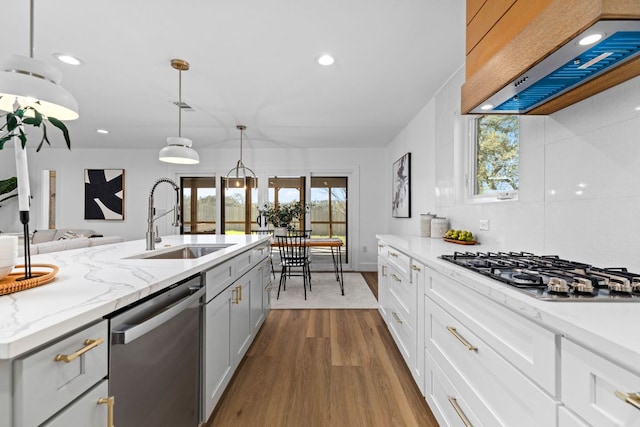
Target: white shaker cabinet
column 92, row 409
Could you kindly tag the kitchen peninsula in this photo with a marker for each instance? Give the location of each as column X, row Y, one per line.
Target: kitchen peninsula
column 91, row 284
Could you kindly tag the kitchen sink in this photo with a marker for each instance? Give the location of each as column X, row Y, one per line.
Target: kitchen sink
column 183, row 252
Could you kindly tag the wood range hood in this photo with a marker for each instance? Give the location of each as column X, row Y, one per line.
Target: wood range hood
column 523, row 57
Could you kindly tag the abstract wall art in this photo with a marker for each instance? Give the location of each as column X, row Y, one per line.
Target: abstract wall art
column 104, row 194
column 401, row 187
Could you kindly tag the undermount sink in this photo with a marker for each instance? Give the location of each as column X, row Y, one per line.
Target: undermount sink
column 184, row 252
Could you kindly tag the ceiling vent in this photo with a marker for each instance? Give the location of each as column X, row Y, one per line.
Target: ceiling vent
column 568, row 67
column 183, row 106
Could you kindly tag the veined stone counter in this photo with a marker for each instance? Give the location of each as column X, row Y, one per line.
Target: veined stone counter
column 95, row 281
column 609, row 327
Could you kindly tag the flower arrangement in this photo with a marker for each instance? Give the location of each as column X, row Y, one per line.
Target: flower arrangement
column 284, row 214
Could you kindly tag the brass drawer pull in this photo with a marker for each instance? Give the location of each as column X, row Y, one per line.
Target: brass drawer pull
column 109, row 401
column 462, row 340
column 384, row 271
column 393, row 254
column 88, row 345
column 396, row 317
column 396, row 278
column 235, row 295
column 632, row 399
column 459, row 411
column 415, row 267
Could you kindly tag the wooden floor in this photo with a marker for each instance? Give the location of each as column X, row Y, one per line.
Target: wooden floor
column 322, row 368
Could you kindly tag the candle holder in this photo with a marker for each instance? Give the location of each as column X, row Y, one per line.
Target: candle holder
column 24, row 219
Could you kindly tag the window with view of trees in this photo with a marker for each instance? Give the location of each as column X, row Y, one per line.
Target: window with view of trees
column 329, row 208
column 198, row 201
column 285, row 189
column 240, row 207
column 497, row 140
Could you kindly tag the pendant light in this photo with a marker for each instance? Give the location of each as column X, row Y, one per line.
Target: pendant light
column 241, row 176
column 178, row 149
column 34, row 83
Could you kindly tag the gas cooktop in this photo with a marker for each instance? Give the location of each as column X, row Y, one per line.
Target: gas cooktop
column 551, row 278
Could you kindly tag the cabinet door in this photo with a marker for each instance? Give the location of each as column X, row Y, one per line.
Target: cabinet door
column 266, row 286
column 217, row 351
column 87, row 411
column 256, row 299
column 239, row 293
column 383, row 287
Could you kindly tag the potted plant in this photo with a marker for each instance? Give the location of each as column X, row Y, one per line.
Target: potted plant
column 16, row 120
column 283, row 215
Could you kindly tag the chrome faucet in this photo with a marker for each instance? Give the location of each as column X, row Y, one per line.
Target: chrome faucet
column 151, row 237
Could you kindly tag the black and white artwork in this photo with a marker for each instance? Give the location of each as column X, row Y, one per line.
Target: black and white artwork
column 104, row 194
column 401, row 196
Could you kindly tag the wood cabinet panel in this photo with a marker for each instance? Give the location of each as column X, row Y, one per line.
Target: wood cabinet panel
column 473, row 6
column 484, row 20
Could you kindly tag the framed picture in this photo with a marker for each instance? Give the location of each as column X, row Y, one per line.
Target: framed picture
column 401, row 188
column 104, row 194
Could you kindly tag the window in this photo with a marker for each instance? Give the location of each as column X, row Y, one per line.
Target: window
column 496, row 155
column 198, row 201
column 329, row 208
column 287, row 189
column 240, row 207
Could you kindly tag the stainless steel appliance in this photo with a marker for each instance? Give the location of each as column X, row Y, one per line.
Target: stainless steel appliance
column 154, row 358
column 551, row 278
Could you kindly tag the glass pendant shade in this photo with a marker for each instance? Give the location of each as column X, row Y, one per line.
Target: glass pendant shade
column 178, row 150
column 36, row 84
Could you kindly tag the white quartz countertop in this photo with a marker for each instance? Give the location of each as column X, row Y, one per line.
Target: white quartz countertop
column 96, row 281
column 610, row 328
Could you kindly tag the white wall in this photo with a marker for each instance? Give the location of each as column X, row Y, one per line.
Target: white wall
column 579, row 180
column 142, row 169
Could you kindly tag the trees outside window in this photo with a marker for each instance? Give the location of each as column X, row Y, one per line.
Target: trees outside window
column 497, row 140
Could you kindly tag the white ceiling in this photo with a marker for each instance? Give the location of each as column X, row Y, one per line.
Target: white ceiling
column 252, row 63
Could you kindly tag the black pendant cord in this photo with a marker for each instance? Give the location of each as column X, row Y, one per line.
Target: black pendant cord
column 24, row 218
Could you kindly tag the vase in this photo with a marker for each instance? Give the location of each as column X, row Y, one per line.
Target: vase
column 280, row 231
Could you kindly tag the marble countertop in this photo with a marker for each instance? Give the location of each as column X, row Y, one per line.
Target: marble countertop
column 95, row 281
column 610, row 328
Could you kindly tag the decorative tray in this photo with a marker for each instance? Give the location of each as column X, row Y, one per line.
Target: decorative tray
column 460, row 242
column 40, row 275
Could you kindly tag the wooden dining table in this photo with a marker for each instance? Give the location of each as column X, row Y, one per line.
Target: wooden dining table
column 335, row 244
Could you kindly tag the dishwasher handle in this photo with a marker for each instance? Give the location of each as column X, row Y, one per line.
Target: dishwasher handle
column 128, row 333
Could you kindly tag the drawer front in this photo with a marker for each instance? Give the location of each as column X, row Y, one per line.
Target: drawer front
column 404, row 333
column 218, row 278
column 529, row 347
column 403, row 291
column 446, row 403
column 383, row 287
column 589, row 385
column 566, row 418
column 86, row 411
column 244, row 262
column 44, row 385
column 401, row 262
column 491, row 386
column 261, row 251
column 383, row 250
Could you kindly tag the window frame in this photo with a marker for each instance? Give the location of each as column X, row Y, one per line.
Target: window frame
column 472, row 171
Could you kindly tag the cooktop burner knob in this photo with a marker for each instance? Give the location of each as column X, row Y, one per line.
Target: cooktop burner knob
column 558, row 285
column 620, row 286
column 582, row 285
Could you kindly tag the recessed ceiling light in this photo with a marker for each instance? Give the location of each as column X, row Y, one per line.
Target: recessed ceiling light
column 326, row 59
column 590, row 39
column 487, row 107
column 102, row 131
column 67, row 59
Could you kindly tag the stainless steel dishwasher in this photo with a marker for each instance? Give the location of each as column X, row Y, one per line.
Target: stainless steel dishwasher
column 154, row 361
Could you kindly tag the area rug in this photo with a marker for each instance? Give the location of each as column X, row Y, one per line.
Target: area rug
column 325, row 293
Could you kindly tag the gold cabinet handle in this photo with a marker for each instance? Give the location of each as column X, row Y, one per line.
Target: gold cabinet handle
column 109, row 401
column 415, row 267
column 632, row 399
column 462, row 340
column 234, row 296
column 88, row 345
column 396, row 317
column 384, row 271
column 380, row 246
column 240, row 291
column 459, row 411
column 396, row 278
column 393, row 254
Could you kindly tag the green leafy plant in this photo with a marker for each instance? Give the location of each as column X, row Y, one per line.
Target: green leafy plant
column 7, row 186
column 284, row 214
column 15, row 121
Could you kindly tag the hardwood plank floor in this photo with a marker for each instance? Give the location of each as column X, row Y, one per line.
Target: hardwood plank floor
column 322, row 368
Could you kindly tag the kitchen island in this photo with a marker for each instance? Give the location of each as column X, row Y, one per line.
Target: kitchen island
column 93, row 283
column 487, row 353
